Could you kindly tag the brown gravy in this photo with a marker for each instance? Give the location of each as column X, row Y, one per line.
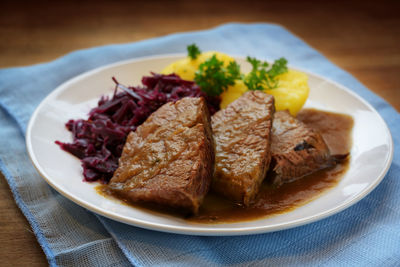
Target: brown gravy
column 336, row 130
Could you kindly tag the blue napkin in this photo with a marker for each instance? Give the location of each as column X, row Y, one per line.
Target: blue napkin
column 367, row 234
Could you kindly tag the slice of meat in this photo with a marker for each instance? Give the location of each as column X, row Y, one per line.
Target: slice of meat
column 242, row 146
column 168, row 161
column 297, row 150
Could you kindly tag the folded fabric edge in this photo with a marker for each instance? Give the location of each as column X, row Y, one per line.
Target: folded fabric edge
column 21, row 126
column 124, row 250
column 31, row 219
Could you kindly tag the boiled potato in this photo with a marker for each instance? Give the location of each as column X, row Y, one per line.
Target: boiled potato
column 232, row 93
column 291, row 93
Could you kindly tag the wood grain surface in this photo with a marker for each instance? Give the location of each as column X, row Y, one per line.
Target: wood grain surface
column 362, row 37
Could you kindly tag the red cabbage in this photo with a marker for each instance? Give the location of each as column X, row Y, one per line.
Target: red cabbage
column 98, row 141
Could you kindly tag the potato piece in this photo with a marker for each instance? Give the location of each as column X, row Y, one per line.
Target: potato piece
column 232, row 93
column 292, row 91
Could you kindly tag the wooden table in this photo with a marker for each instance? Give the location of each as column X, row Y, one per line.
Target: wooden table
column 362, row 37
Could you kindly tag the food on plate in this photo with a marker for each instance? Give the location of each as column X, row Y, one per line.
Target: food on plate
column 297, row 150
column 154, row 144
column 219, row 74
column 169, row 159
column 336, row 129
column 242, row 133
column 98, row 140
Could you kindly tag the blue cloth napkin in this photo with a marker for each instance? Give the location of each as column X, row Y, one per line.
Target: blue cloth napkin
column 367, row 234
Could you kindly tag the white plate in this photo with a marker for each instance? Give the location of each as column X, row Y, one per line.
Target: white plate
column 371, row 154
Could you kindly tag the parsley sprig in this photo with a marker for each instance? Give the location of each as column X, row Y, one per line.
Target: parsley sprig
column 193, row 51
column 262, row 76
column 214, row 78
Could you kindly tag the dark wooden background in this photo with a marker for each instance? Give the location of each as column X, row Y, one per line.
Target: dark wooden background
column 362, row 37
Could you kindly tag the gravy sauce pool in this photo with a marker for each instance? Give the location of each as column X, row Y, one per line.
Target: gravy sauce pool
column 336, row 130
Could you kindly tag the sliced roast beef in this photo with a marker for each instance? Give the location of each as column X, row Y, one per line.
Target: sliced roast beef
column 297, row 150
column 242, row 134
column 169, row 160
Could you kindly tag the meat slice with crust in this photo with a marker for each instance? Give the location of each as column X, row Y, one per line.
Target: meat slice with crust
column 242, row 146
column 297, row 150
column 169, row 160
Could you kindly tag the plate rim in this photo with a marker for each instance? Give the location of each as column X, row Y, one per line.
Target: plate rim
column 196, row 229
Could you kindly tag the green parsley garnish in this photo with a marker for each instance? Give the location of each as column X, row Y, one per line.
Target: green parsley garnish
column 261, row 76
column 213, row 78
column 193, row 51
